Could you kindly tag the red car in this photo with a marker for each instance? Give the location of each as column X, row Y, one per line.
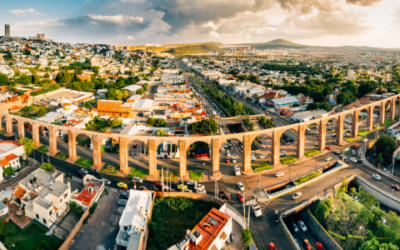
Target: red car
column 271, row 246
column 307, row 245
column 327, row 147
column 240, row 196
column 143, row 188
column 355, row 146
column 320, row 246
column 80, row 174
column 395, row 187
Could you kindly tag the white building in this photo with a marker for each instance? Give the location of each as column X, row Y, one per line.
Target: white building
column 134, row 220
column 10, row 151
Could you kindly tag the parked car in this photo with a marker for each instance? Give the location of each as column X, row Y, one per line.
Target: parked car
column 327, row 147
column 307, row 244
column 302, row 226
column 233, row 160
column 316, row 144
column 333, row 135
column 263, row 156
column 320, row 246
column 353, row 159
column 395, row 187
column 191, row 183
column 14, row 175
column 240, row 196
column 355, row 145
column 337, row 152
column 328, row 158
column 283, row 153
column 180, row 186
column 137, row 179
column 237, row 170
column 353, row 152
column 224, row 195
column 295, row 227
column 94, row 171
column 240, row 186
column 4, row 189
column 253, row 157
column 80, row 174
column 83, row 170
column 297, row 195
column 124, row 195
column 106, row 182
column 122, row 202
column 228, row 153
column 376, row 177
column 143, row 188
column 279, row 174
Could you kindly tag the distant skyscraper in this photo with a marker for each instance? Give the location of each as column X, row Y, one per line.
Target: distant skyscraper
column 7, row 31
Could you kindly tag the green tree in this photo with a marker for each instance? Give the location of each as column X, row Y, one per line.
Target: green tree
column 140, row 91
column 25, row 80
column 151, row 121
column 29, row 145
column 115, row 123
column 379, row 159
column 161, row 132
column 246, row 236
column 8, row 171
column 41, row 112
column 3, row 79
column 385, row 146
column 47, row 167
column 206, row 126
column 374, row 244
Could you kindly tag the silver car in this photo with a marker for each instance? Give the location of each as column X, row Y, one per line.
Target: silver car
column 302, row 226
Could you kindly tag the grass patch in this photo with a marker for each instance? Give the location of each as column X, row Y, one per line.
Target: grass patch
column 363, row 133
column 109, row 169
column 350, row 139
column 388, row 122
column 141, row 173
column 171, row 173
column 29, row 238
column 306, row 178
column 261, row 166
column 312, row 152
column 43, row 149
column 84, row 162
column 61, row 155
column 288, row 160
column 196, row 175
column 171, row 216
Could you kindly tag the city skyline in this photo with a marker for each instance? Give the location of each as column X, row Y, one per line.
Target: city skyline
column 129, row 22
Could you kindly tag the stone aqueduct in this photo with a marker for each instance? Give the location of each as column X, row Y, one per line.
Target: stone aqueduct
column 214, row 141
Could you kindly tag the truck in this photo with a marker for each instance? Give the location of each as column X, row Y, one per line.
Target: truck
column 237, row 170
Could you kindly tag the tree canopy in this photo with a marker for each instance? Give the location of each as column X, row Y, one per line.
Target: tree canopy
column 386, row 145
column 206, row 126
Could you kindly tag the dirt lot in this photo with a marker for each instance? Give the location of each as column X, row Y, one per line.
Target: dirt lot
column 102, row 228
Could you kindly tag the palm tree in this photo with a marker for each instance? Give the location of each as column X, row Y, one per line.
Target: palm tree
column 29, row 145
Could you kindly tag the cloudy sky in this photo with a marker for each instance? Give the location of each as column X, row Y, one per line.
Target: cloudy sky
column 129, row 22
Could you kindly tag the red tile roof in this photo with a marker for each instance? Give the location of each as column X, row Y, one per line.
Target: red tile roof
column 85, row 196
column 4, row 163
column 19, row 193
column 11, row 157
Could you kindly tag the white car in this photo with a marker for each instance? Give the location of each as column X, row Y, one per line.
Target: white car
column 302, row 225
column 316, row 144
column 279, row 174
column 334, row 135
column 353, row 159
column 296, row 195
column 353, row 152
column 257, row 210
column 237, row 170
column 137, row 179
column 240, row 186
column 189, row 183
column 14, row 175
column 107, row 182
column 283, row 153
column 376, row 177
column 228, row 153
column 253, row 157
column 233, row 160
column 263, row 156
column 83, row 170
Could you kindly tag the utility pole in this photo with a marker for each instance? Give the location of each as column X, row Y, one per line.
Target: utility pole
column 244, row 209
column 162, row 181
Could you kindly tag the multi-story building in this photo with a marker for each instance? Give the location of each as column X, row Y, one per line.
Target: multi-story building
column 42, row 197
column 10, row 151
column 133, row 223
column 114, row 108
column 7, row 33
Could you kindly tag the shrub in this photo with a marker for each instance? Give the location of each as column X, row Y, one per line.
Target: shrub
column 246, row 237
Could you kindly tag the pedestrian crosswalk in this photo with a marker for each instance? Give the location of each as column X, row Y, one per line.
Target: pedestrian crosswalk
column 248, row 195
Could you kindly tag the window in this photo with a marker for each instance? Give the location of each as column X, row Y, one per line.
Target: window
column 61, row 200
column 50, row 212
column 44, row 221
column 37, row 216
column 65, row 195
column 125, row 228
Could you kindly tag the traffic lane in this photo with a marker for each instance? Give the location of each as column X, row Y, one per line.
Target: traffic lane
column 292, row 171
column 300, row 235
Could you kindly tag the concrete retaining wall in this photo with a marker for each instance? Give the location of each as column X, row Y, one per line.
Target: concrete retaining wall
column 229, row 210
column 383, row 197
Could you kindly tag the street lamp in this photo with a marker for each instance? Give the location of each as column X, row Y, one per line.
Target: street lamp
column 361, row 228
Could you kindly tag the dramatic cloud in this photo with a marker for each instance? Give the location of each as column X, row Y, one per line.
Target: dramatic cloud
column 20, row 12
column 120, row 19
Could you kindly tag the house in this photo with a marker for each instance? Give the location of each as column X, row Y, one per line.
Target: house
column 132, row 89
column 133, row 223
column 10, row 151
column 142, row 108
column 43, row 197
column 211, row 233
column 90, row 193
